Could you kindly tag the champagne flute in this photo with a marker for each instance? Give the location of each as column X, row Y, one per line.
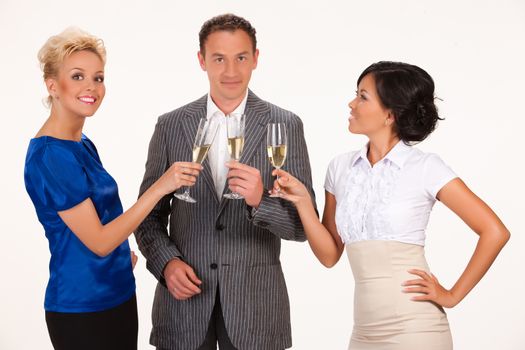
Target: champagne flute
column 276, row 147
column 235, row 129
column 203, row 140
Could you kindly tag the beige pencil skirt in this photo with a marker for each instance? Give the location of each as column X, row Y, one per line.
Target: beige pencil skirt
column 384, row 317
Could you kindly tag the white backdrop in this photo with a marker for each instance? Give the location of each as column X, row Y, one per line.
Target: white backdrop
column 311, row 56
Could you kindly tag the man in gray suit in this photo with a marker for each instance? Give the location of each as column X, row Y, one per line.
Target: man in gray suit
column 219, row 273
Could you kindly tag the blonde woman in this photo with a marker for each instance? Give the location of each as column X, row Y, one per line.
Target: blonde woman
column 378, row 202
column 90, row 297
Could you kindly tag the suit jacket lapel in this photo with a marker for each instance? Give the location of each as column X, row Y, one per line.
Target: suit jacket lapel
column 257, row 117
column 194, row 113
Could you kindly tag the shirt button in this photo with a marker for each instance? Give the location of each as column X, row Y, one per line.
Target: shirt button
column 219, row 227
column 213, row 266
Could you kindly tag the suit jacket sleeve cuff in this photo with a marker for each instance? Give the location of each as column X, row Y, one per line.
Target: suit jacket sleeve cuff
column 157, row 264
column 270, row 214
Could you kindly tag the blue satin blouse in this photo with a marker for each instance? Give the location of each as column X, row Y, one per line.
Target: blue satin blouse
column 60, row 174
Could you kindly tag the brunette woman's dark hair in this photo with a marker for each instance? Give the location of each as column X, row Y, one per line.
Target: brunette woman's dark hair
column 408, row 91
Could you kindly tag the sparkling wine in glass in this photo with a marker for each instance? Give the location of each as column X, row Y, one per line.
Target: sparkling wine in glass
column 276, row 143
column 235, row 130
column 203, row 140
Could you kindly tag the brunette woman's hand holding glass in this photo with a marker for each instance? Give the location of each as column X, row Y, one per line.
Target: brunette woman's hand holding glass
column 288, row 187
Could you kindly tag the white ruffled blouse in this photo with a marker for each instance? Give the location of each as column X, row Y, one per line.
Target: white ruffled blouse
column 391, row 200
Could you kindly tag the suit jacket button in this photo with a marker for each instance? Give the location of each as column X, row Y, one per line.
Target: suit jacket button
column 213, row 266
column 219, row 227
column 263, row 224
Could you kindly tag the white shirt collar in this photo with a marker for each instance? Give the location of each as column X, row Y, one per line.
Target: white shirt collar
column 212, row 108
column 397, row 155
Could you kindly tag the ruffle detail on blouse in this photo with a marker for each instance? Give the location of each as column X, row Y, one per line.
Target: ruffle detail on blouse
column 361, row 213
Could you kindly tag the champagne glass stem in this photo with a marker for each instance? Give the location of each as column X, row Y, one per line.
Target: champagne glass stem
column 279, row 185
column 276, row 191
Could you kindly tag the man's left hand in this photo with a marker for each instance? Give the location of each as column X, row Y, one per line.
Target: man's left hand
column 246, row 181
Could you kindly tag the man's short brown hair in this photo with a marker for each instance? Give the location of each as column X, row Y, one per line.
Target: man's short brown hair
column 228, row 22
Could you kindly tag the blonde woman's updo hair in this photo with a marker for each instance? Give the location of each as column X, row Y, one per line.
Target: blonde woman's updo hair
column 58, row 47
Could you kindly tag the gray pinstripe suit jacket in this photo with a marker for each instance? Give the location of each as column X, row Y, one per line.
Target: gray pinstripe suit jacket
column 220, row 239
